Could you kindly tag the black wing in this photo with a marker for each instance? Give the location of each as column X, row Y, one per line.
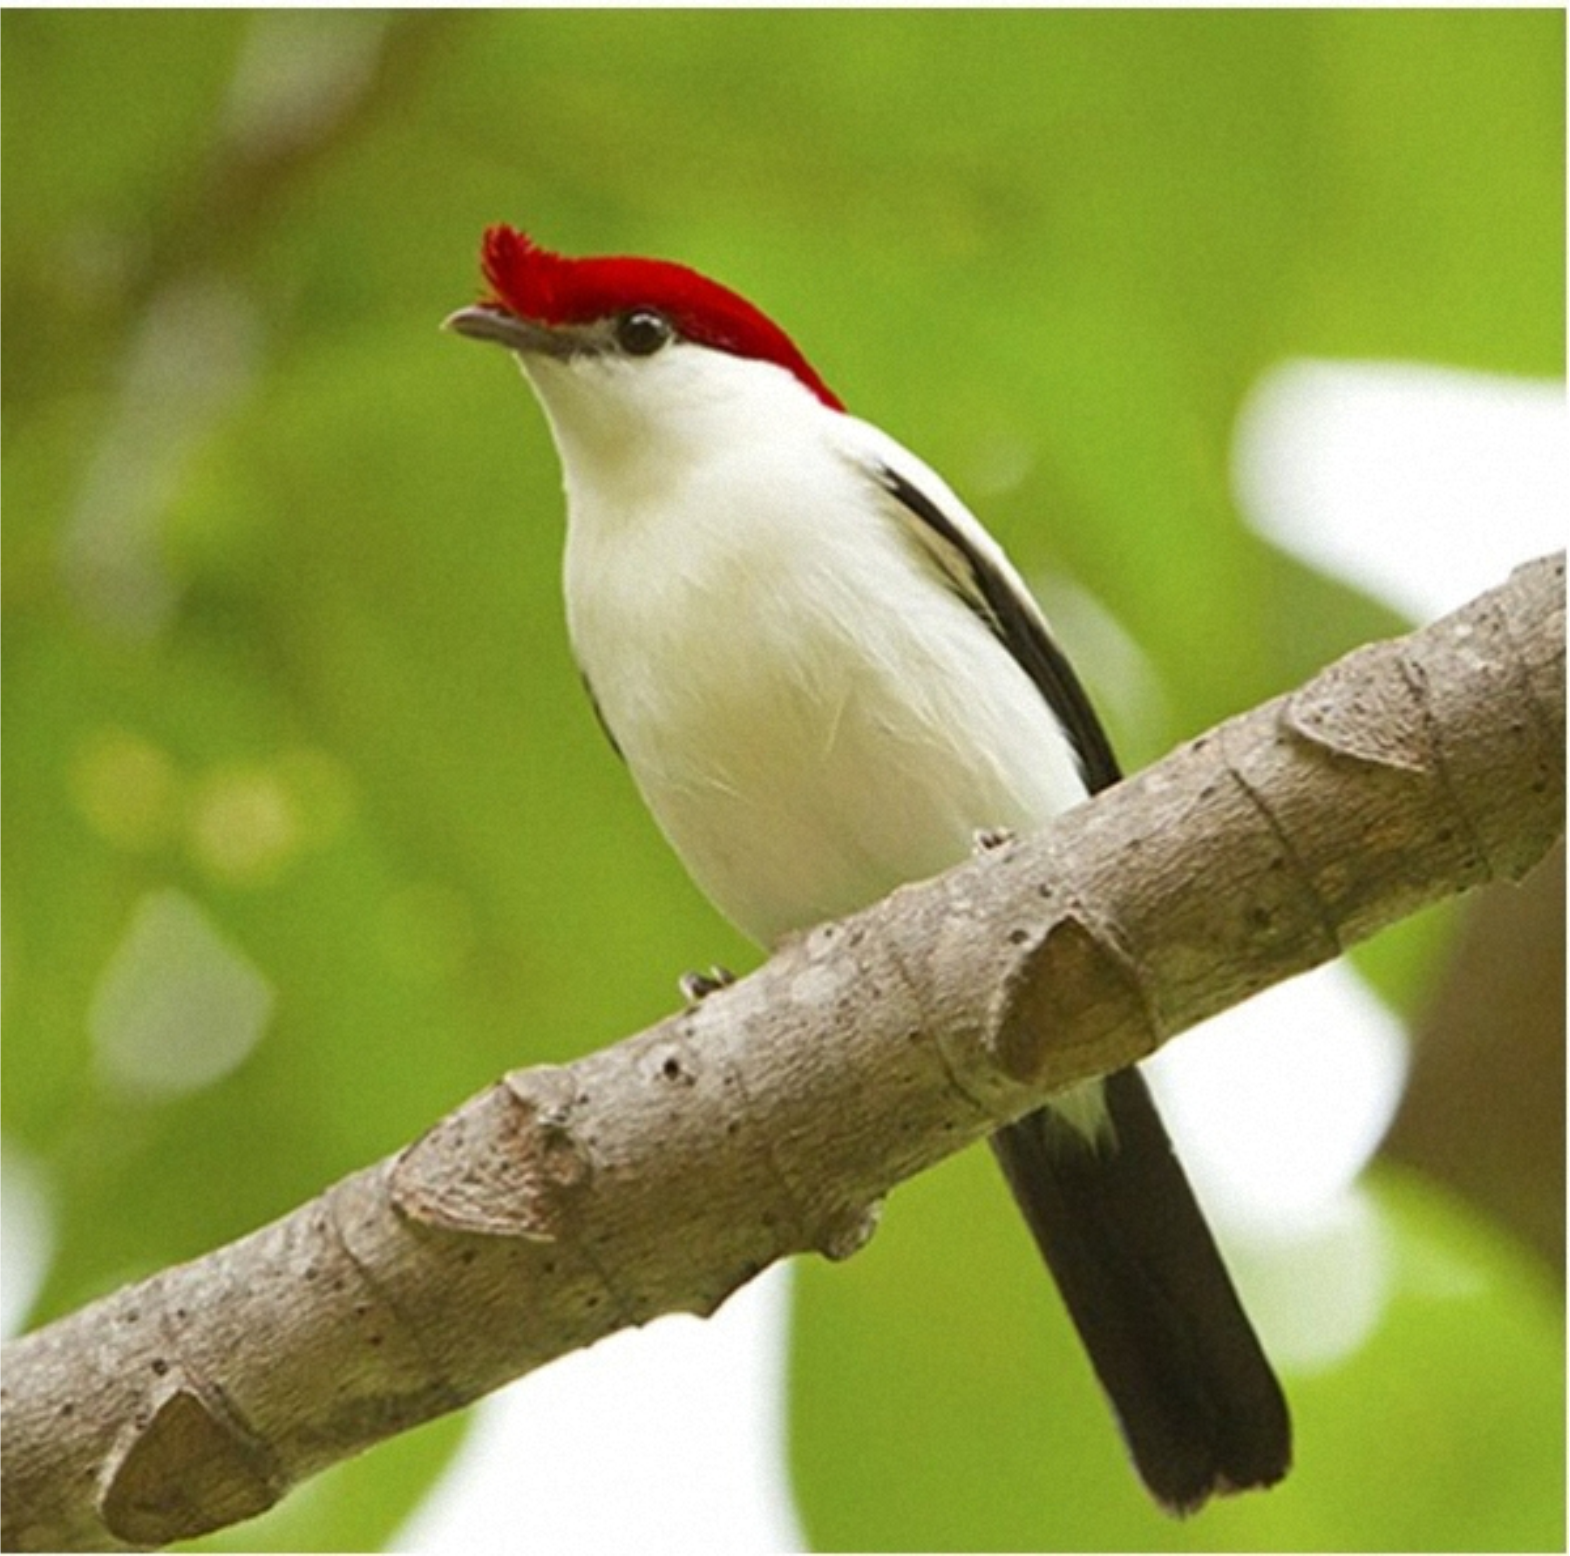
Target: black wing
column 1018, row 626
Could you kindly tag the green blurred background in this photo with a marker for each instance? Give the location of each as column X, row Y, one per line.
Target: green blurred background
column 309, row 831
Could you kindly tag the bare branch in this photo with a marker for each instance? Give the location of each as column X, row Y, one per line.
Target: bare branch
column 662, row 1173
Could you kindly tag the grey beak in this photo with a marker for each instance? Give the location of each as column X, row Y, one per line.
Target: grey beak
column 507, row 329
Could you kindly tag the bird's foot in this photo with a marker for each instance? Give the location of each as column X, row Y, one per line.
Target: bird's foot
column 697, row 986
column 985, row 839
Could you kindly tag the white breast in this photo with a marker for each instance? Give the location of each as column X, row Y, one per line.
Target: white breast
column 810, row 714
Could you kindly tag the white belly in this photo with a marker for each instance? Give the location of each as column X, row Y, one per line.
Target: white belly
column 809, row 734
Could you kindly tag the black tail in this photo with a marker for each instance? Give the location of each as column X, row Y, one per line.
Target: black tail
column 1142, row 1279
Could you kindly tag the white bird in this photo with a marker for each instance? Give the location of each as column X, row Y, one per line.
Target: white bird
column 827, row 679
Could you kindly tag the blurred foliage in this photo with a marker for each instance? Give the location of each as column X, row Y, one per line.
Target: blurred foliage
column 943, row 1408
column 285, row 672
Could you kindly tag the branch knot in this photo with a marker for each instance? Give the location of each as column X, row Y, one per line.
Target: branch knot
column 525, row 1182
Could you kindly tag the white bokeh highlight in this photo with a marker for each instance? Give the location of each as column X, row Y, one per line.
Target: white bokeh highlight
column 26, row 1235
column 1277, row 1104
column 1275, row 1107
column 665, row 1441
column 179, row 1005
column 1422, row 485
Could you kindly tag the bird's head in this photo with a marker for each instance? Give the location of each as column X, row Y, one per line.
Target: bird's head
column 621, row 350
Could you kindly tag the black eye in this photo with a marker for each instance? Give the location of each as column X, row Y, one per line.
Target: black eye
column 642, row 332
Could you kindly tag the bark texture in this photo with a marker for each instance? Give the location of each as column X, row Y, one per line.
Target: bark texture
column 660, row 1174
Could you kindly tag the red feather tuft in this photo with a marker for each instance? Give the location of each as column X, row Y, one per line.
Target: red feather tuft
column 550, row 288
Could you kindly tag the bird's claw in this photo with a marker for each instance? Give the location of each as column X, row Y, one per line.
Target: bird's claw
column 696, row 986
column 985, row 839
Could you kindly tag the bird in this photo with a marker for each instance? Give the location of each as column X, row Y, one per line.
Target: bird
column 827, row 680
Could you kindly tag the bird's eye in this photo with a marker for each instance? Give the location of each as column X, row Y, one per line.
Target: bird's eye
column 642, row 332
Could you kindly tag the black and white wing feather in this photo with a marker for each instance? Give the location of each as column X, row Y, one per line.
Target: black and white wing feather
column 983, row 577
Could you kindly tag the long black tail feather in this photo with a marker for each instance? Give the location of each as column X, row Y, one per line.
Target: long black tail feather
column 1118, row 1225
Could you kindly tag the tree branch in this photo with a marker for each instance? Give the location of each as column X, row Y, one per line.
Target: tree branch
column 660, row 1174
